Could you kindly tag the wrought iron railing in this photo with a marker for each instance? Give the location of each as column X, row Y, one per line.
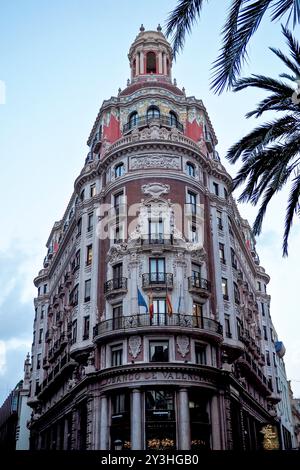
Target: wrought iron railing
column 197, row 282
column 157, row 239
column 144, row 121
column 158, row 320
column 155, row 278
column 115, row 284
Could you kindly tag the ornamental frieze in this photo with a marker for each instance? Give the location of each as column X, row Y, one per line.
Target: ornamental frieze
column 155, row 161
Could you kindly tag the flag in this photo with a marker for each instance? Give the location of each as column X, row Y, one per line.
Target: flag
column 141, row 300
column 179, row 300
column 151, row 307
column 169, row 306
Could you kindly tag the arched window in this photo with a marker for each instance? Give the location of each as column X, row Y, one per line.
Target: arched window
column 151, row 63
column 190, row 168
column 134, row 68
column 119, row 170
column 133, row 119
column 173, row 118
column 153, row 113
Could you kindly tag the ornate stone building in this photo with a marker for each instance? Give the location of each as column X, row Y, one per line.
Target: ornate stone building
column 152, row 304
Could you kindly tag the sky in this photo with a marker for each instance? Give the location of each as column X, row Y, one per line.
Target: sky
column 58, row 61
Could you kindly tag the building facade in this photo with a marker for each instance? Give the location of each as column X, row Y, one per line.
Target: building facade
column 152, row 306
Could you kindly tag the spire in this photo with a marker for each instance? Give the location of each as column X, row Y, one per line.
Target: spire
column 142, row 29
column 159, row 28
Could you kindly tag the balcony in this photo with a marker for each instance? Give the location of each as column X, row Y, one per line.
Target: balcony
column 144, row 121
column 157, row 280
column 115, row 286
column 159, row 321
column 199, row 285
column 157, row 239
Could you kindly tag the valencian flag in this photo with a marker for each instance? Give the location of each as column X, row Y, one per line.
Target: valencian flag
column 151, row 307
column 141, row 300
column 169, row 305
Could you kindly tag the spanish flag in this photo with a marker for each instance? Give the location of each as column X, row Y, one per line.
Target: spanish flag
column 151, row 307
column 169, row 306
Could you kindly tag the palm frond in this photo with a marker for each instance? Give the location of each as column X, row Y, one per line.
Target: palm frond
column 282, row 7
column 291, row 65
column 181, row 20
column 243, row 20
column 291, row 210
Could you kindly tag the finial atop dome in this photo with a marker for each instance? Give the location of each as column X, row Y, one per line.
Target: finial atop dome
column 159, row 28
column 142, row 28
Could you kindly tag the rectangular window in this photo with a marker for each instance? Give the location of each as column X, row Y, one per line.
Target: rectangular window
column 87, row 290
column 118, row 200
column 265, row 333
column 45, row 288
column 265, row 288
column 74, row 332
column 197, row 315
column 120, row 403
column 236, row 293
column 270, row 383
column 42, row 312
column 227, row 327
column 117, row 271
column 222, row 253
column 268, row 358
column 159, row 351
column 159, row 312
column 92, row 190
column 200, row 354
column 33, row 341
column 73, row 299
column 82, row 195
column 262, row 309
column 86, row 327
column 39, row 291
column 40, row 335
column 157, row 270
column 216, row 188
column 233, row 258
column 117, row 355
column 274, row 360
column 119, row 235
column 90, row 221
column 225, row 288
column 38, row 362
column 89, row 255
column 271, row 335
column 192, row 199
column 79, row 224
column 156, row 229
column 219, row 220
column 194, row 234
column 117, row 316
column 259, row 285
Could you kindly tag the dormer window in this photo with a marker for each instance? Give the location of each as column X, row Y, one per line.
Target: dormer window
column 119, row 170
column 173, row 119
column 190, row 169
column 153, row 113
column 133, row 119
column 151, row 63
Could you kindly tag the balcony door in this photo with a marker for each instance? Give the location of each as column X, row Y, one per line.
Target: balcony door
column 159, row 312
column 156, row 230
column 196, row 274
column 117, row 275
column 117, row 316
column 157, row 270
column 197, row 315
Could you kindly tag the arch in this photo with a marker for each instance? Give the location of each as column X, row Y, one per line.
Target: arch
column 173, row 118
column 133, row 119
column 151, row 62
column 153, row 112
column 190, row 168
column 119, row 170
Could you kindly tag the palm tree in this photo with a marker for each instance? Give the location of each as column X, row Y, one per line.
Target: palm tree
column 243, row 19
column 271, row 152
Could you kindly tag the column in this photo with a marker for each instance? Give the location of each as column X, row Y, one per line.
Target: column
column 136, row 420
column 66, row 431
column 184, row 427
column 142, row 63
column 160, row 64
column 215, row 423
column 137, row 64
column 95, row 427
column 164, row 63
column 103, row 423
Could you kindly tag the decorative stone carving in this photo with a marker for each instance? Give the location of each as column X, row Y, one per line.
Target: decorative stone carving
column 116, row 253
column 135, row 344
column 183, row 345
column 155, row 189
column 155, row 161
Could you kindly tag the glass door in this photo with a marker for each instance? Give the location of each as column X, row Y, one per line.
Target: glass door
column 157, row 271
